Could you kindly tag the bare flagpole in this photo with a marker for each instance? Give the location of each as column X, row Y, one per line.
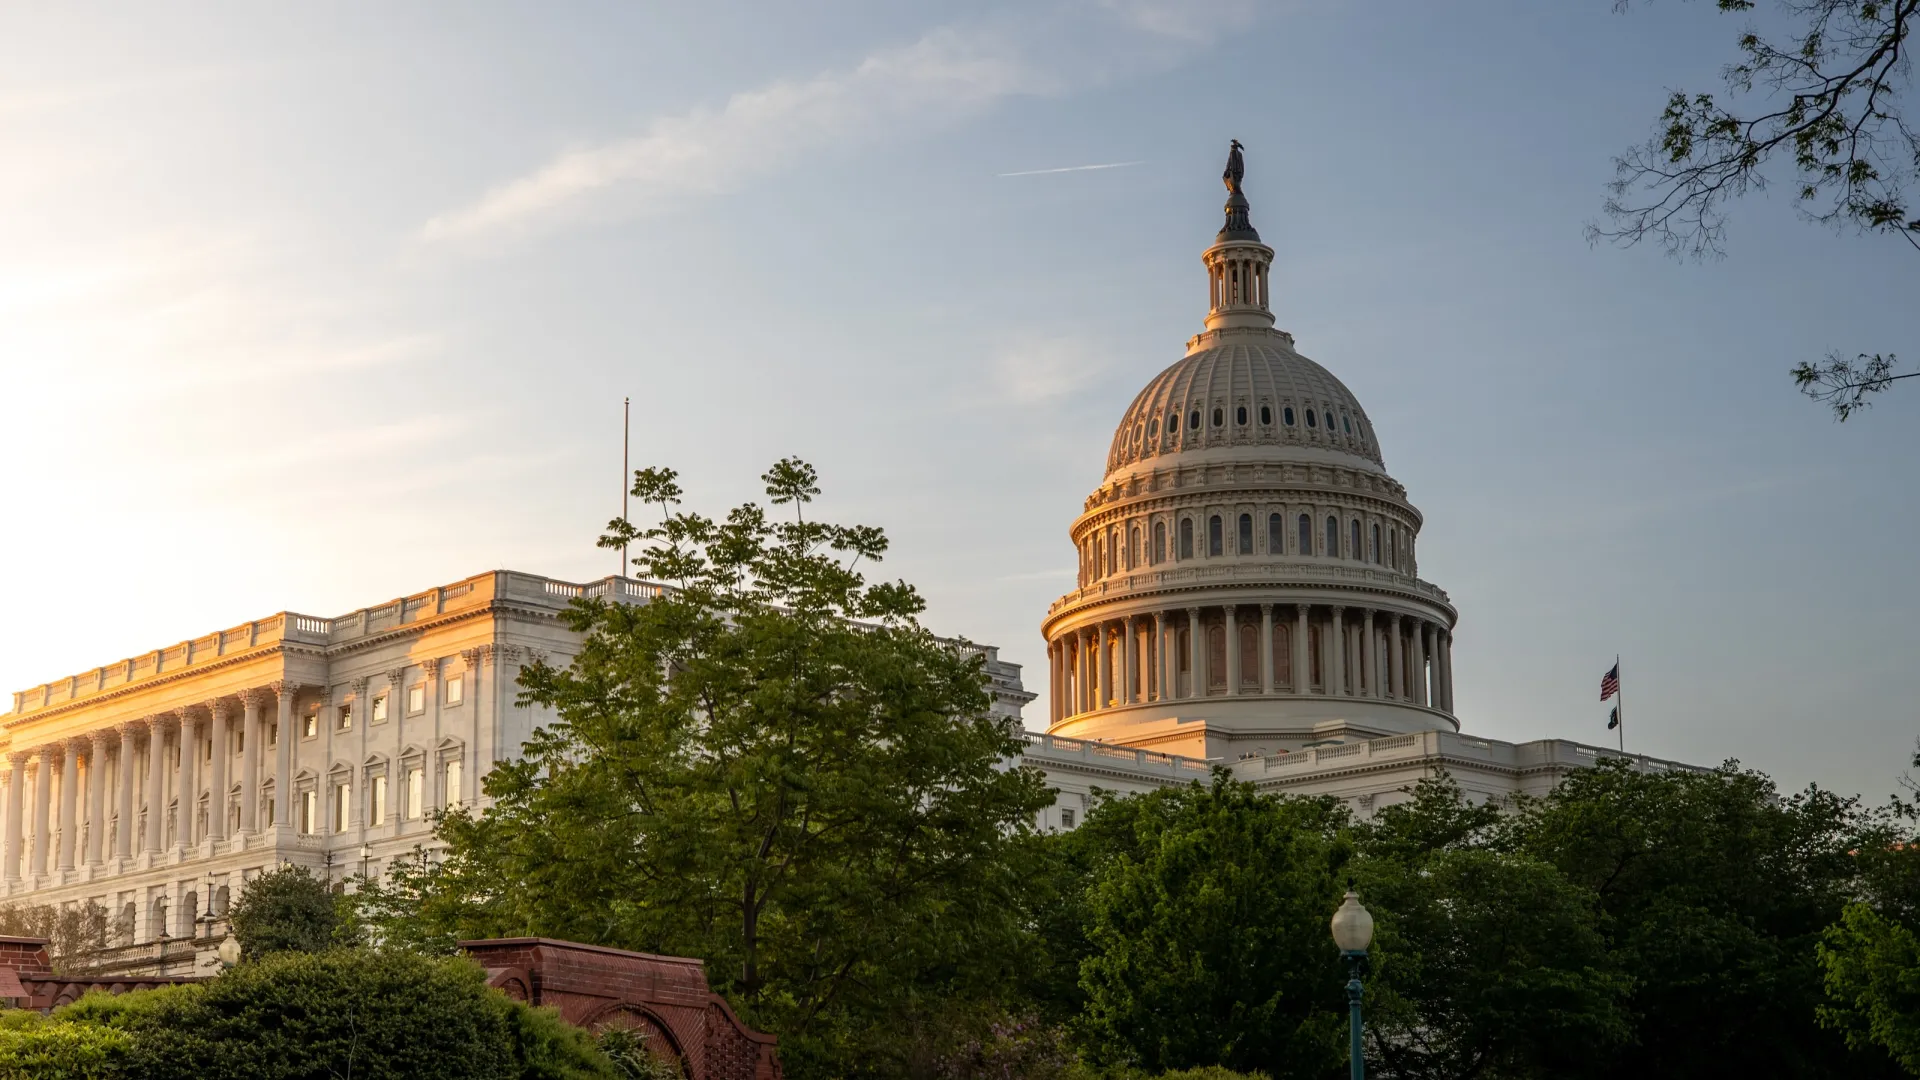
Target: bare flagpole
column 626, row 470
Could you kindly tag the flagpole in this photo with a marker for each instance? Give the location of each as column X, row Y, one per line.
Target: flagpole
column 1620, row 704
column 626, row 470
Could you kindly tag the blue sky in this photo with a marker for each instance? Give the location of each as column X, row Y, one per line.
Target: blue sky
column 306, row 308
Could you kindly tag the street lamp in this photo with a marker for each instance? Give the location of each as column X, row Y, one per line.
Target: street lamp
column 1353, row 932
column 366, row 854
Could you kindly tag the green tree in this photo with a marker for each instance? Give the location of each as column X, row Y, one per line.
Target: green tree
column 291, row 910
column 1487, row 963
column 1828, row 96
column 76, row 936
column 1872, row 966
column 1713, row 891
column 1205, row 915
column 773, row 767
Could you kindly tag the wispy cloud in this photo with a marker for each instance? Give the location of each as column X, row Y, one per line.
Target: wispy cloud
column 948, row 74
column 1072, row 168
column 1035, row 372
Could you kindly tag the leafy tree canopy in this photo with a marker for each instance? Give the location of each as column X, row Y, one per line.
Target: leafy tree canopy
column 290, row 910
column 774, row 767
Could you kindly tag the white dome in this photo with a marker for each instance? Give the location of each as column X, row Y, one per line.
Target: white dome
column 1245, row 388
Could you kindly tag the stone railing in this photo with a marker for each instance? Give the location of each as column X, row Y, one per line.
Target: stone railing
column 1058, row 749
column 1550, row 754
column 1250, row 572
column 287, row 626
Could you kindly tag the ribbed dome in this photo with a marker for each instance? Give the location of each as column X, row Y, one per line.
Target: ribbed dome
column 1251, row 389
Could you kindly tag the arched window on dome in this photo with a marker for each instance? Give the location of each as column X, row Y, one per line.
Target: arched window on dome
column 1193, row 420
column 1305, row 536
column 1183, row 662
column 1376, row 542
column 1276, row 535
column 1153, row 428
column 1246, row 534
column 1219, row 417
column 1215, row 541
column 1159, row 541
column 1393, row 556
column 1113, row 552
column 1346, row 423
column 1333, row 537
column 1286, row 414
column 1282, row 656
column 1173, row 423
column 1186, row 538
column 1240, row 415
column 1249, row 656
column 1216, row 658
column 1316, row 646
column 1354, row 552
column 1310, row 422
column 1100, row 556
column 1133, row 547
column 1266, row 416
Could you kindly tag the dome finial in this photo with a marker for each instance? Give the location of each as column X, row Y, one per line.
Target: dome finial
column 1238, row 226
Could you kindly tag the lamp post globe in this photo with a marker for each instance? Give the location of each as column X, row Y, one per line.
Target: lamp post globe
column 1352, row 926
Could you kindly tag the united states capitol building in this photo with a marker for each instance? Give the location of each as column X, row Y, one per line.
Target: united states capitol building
column 1248, row 597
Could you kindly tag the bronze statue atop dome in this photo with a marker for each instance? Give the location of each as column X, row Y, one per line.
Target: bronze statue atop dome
column 1236, row 168
column 1239, row 225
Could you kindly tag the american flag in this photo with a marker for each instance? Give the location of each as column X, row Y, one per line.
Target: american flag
column 1610, row 682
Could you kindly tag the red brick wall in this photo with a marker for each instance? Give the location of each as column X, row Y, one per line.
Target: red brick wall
column 663, row 995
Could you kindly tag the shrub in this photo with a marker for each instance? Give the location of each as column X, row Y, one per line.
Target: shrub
column 372, row 1015
column 31, row 1049
column 290, row 910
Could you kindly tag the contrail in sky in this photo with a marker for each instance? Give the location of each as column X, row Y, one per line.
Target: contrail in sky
column 1073, row 168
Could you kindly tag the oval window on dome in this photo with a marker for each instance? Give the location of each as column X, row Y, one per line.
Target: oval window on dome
column 1266, row 415
column 1310, row 422
column 1286, row 414
column 1219, row 416
column 1346, row 423
column 1193, row 420
column 1173, row 423
column 1240, row 416
column 1153, row 428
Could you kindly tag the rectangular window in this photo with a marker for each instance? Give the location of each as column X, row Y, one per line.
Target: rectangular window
column 207, row 745
column 379, row 714
column 342, row 806
column 453, row 783
column 1066, row 819
column 456, row 689
column 416, row 784
column 377, row 795
column 312, row 729
column 273, row 733
column 416, row 699
column 309, row 812
column 343, row 719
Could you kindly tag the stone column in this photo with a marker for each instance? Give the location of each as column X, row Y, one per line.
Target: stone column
column 284, row 694
column 1266, row 648
column 69, row 802
column 1130, row 656
column 16, row 806
column 1396, row 660
column 1169, row 656
column 250, row 747
column 123, row 799
column 470, row 772
column 1103, row 687
column 1446, row 667
column 1196, row 649
column 1418, row 668
column 43, row 806
column 217, row 773
column 186, row 792
column 1302, row 662
column 1370, row 657
column 1337, row 655
column 97, row 797
column 1232, row 644
column 1053, row 682
column 156, row 783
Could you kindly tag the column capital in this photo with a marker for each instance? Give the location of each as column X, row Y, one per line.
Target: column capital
column 99, row 736
column 80, row 744
column 218, row 707
column 185, row 714
column 1266, row 609
column 129, row 728
column 282, row 687
column 1228, row 608
column 431, row 665
column 471, row 656
column 19, row 758
column 396, row 675
column 253, row 697
column 358, row 686
column 50, row 753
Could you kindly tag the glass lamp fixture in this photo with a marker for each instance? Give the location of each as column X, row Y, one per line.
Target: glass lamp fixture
column 1352, row 925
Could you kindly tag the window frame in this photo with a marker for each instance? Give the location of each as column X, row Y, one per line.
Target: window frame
column 456, row 690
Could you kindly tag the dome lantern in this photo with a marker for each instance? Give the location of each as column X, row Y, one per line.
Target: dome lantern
column 1238, row 264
